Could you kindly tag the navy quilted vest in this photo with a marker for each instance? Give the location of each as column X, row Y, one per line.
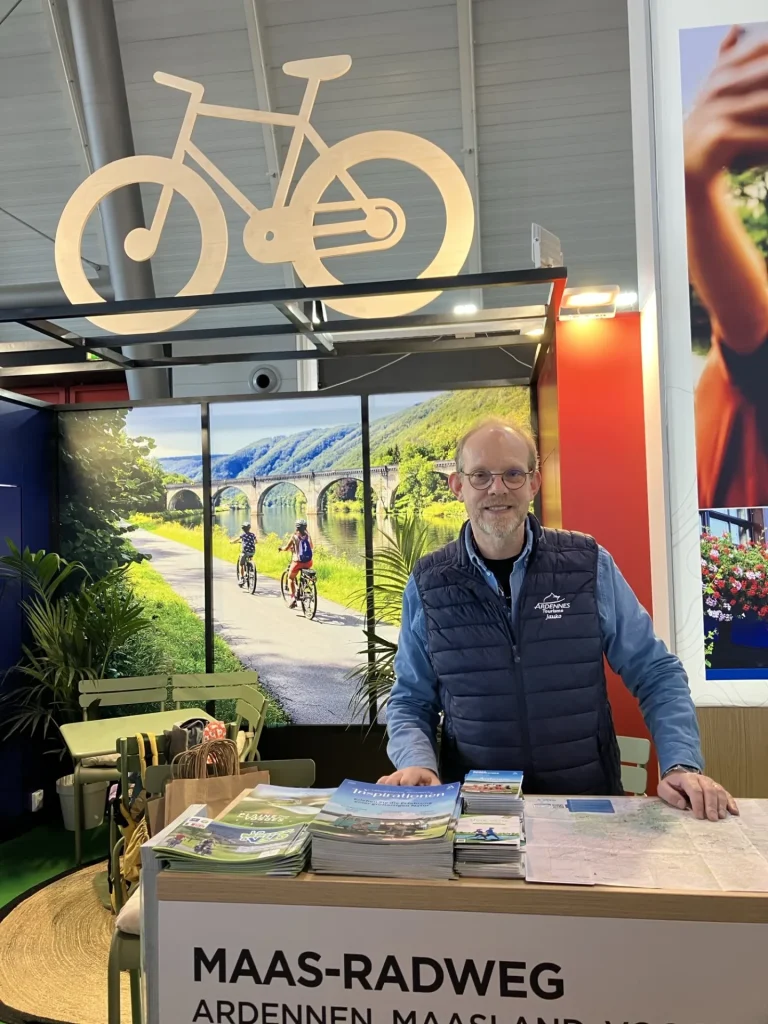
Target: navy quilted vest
column 530, row 696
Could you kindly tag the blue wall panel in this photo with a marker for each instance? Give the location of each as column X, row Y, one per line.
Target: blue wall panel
column 26, row 469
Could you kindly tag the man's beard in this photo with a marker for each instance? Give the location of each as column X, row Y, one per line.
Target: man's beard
column 502, row 528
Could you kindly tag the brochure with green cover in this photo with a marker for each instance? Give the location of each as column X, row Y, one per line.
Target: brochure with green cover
column 203, row 841
column 270, row 807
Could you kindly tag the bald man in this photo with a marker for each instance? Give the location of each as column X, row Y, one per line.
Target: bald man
column 504, row 633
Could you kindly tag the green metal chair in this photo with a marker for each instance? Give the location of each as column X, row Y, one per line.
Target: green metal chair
column 200, row 687
column 97, row 693
column 635, row 754
column 251, row 710
column 124, row 955
column 298, row 771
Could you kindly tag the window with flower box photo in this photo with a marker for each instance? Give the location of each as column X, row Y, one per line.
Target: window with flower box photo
column 734, row 571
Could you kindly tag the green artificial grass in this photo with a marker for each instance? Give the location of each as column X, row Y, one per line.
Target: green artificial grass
column 43, row 853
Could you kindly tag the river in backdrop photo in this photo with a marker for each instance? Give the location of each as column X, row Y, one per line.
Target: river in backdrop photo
column 131, row 493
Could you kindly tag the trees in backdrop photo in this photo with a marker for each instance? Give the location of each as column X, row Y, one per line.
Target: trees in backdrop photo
column 114, row 514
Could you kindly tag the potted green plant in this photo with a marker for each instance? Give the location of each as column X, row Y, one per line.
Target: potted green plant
column 75, row 626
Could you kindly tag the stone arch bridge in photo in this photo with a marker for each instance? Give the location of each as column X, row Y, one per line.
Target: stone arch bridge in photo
column 314, row 486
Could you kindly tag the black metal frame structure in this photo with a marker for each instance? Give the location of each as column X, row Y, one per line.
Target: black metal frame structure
column 291, row 306
column 332, row 339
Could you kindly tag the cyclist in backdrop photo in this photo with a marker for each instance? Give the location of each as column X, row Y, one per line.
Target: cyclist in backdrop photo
column 300, row 546
column 247, row 541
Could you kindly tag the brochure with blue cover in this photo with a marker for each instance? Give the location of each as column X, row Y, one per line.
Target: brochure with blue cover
column 382, row 814
column 387, row 831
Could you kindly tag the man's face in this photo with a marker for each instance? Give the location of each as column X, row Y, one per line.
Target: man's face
column 497, row 512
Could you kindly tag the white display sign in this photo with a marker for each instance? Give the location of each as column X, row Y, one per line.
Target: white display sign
column 261, row 964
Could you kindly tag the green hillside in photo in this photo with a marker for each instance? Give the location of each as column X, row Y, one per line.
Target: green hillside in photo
column 438, row 423
column 433, row 427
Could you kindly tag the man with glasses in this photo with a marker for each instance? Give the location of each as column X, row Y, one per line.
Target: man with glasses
column 504, row 632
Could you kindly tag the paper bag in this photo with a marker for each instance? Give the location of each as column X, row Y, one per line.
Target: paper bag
column 217, row 793
column 155, row 814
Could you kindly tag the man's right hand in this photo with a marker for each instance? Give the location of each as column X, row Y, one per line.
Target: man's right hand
column 411, row 777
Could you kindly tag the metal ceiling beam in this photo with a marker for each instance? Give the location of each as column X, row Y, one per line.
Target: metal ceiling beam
column 57, row 370
column 269, row 296
column 303, row 325
column 307, row 372
column 346, row 330
column 108, row 125
column 73, row 340
column 468, row 94
column 354, row 349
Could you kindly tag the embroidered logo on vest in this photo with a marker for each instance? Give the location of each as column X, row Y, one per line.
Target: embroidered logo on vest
column 553, row 606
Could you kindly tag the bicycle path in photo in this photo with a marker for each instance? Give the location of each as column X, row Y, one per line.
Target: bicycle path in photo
column 303, row 663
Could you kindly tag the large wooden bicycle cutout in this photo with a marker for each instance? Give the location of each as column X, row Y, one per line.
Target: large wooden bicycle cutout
column 286, row 232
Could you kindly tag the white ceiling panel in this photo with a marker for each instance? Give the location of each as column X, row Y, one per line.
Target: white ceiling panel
column 553, row 127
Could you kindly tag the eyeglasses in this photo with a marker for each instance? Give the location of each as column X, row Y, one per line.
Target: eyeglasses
column 481, row 479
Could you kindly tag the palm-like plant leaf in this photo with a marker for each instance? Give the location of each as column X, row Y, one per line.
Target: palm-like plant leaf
column 72, row 636
column 393, row 565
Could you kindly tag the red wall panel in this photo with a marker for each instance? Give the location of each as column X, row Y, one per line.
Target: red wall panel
column 603, row 489
column 76, row 393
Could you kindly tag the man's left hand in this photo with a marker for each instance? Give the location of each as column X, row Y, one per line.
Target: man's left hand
column 705, row 797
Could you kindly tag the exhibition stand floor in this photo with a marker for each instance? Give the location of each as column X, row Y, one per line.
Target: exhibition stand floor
column 52, row 914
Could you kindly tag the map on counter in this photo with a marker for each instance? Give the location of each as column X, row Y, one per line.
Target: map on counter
column 646, row 844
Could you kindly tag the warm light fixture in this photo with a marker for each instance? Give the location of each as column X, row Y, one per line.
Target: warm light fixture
column 584, row 298
column 594, row 302
column 625, row 300
column 465, row 309
column 537, row 332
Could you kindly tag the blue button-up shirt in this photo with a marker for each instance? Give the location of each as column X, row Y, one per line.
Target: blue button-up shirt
column 653, row 675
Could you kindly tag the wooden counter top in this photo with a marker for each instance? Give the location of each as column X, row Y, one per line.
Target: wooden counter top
column 488, row 896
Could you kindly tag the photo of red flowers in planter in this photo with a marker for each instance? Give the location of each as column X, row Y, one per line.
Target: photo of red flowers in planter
column 734, row 575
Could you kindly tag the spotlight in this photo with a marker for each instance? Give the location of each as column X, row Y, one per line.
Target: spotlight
column 465, row 309
column 625, row 300
column 596, row 303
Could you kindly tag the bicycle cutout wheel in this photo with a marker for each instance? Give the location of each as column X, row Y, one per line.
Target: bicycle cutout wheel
column 131, row 171
column 238, row 570
column 252, row 579
column 285, row 587
column 309, row 598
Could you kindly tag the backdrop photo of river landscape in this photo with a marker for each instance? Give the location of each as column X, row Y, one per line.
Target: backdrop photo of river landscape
column 132, row 490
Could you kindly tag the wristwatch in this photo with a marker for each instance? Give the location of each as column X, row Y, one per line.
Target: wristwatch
column 681, row 768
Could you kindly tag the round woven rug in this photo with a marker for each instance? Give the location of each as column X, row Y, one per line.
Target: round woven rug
column 54, row 947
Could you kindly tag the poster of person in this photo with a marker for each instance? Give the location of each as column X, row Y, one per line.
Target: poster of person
column 724, row 72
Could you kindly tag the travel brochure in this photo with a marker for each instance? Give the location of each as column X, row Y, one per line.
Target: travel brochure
column 263, row 831
column 276, row 806
column 493, row 792
column 387, row 831
column 204, row 841
column 489, row 830
column 490, row 846
column 358, row 829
